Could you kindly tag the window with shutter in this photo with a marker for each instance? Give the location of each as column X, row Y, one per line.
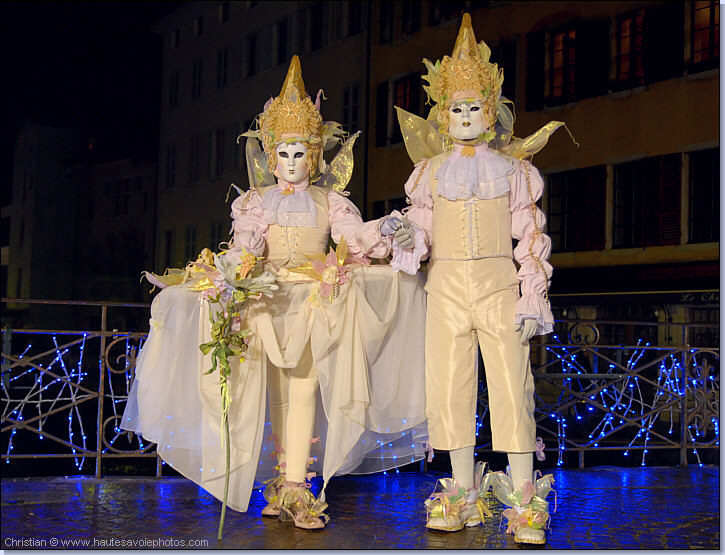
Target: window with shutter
column 704, row 193
column 647, row 201
column 577, row 201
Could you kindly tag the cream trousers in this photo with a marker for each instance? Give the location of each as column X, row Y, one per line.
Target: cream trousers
column 469, row 301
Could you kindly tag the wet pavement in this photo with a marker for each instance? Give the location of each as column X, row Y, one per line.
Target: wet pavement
column 597, row 508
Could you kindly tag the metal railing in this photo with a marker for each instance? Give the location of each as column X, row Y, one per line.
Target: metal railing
column 661, row 393
column 64, row 392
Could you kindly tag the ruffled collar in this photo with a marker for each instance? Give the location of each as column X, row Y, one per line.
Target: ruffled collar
column 473, row 171
column 290, row 204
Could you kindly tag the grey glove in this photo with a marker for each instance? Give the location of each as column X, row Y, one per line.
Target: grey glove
column 401, row 230
column 405, row 234
column 527, row 327
column 390, row 225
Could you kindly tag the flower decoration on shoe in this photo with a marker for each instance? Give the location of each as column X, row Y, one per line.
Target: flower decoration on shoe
column 271, row 493
column 297, row 503
column 444, row 506
column 528, row 511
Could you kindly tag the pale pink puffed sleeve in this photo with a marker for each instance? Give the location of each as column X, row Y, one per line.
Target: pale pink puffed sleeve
column 534, row 248
column 363, row 239
column 248, row 225
column 420, row 215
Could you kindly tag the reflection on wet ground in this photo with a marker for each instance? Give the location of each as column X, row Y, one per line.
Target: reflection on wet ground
column 598, row 508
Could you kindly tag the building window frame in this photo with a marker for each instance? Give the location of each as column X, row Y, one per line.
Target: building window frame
column 705, row 34
column 170, row 167
column 190, row 252
column 174, row 89
column 562, row 65
column 629, row 57
column 216, row 153
column 404, row 92
column 196, row 78
column 223, row 11
column 199, row 26
column 350, row 119
column 704, row 196
column 175, row 39
column 222, row 65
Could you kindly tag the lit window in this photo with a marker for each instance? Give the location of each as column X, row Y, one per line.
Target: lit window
column 563, row 58
column 705, row 31
column 630, row 70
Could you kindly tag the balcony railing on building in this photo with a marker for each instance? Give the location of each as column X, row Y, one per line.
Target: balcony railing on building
column 651, row 400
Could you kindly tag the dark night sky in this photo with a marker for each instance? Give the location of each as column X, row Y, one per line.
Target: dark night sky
column 92, row 62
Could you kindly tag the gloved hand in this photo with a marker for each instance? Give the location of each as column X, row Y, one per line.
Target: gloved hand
column 527, row 327
column 401, row 230
column 390, row 225
column 405, row 234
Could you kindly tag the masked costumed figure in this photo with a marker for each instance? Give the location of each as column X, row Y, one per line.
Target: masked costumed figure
column 326, row 346
column 470, row 194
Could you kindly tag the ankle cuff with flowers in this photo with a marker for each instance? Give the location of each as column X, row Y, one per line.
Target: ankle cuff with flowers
column 527, row 506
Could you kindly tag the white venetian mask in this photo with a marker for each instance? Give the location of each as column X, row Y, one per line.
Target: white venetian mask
column 292, row 162
column 466, row 119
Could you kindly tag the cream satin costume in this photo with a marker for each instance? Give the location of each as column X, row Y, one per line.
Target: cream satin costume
column 470, row 196
column 357, row 352
column 473, row 296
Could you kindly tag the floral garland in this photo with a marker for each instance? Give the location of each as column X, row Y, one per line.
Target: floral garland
column 229, row 286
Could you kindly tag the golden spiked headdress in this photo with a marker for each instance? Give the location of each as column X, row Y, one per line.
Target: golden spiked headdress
column 291, row 116
column 466, row 73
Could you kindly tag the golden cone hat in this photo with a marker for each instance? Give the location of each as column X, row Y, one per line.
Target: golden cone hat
column 293, row 88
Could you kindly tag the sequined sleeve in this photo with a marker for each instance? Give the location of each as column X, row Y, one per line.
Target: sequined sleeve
column 533, row 249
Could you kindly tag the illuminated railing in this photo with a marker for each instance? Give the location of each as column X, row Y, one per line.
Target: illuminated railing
column 662, row 393
column 64, row 393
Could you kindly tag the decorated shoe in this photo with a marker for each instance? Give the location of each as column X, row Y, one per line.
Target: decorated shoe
column 528, row 512
column 476, row 509
column 298, row 504
column 451, row 507
column 271, row 494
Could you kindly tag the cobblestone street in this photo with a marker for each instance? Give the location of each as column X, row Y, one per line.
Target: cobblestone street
column 599, row 508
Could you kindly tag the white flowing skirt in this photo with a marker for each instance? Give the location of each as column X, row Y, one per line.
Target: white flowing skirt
column 367, row 346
